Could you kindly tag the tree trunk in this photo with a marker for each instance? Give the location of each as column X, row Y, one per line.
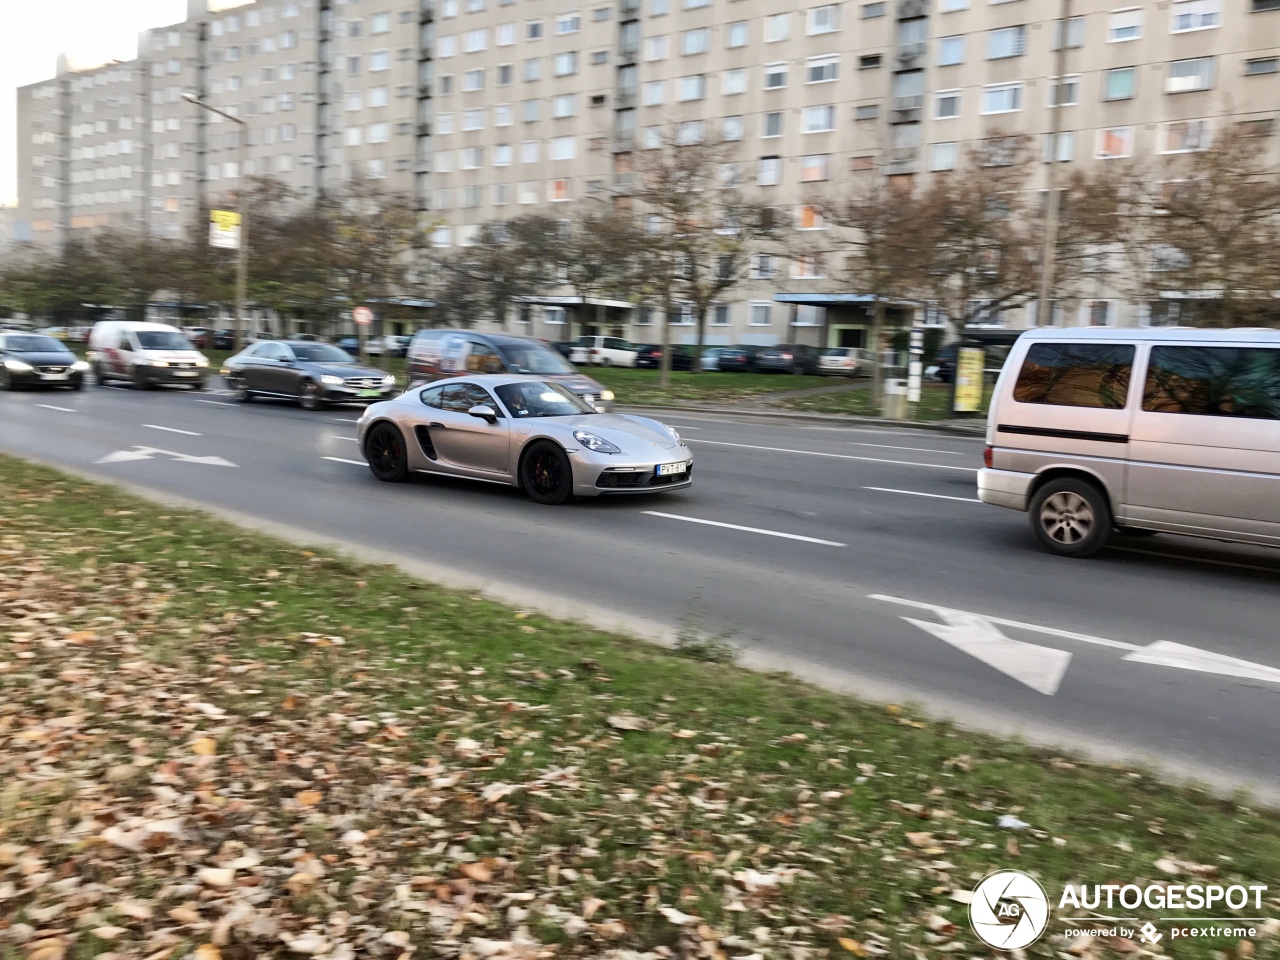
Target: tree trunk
column 702, row 330
column 877, row 374
column 664, row 368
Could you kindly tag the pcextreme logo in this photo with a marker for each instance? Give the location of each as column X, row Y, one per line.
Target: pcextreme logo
column 1010, row 910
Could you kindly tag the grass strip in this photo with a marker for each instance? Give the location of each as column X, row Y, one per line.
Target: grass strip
column 217, row 744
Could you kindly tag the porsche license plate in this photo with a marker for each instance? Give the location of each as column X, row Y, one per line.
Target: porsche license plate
column 369, row 393
column 669, row 469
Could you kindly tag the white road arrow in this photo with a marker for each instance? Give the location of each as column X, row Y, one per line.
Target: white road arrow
column 1166, row 653
column 150, row 453
column 1040, row 668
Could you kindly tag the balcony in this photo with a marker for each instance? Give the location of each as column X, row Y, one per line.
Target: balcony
column 624, row 100
column 911, row 9
column 915, row 102
column 902, row 160
column 628, row 51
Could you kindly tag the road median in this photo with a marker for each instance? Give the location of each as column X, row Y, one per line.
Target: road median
column 216, row 744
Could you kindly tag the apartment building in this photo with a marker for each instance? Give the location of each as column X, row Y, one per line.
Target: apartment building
column 486, row 109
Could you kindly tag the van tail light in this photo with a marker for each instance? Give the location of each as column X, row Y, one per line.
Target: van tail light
column 987, row 455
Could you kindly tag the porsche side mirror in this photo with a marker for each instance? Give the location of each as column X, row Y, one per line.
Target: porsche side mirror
column 485, row 412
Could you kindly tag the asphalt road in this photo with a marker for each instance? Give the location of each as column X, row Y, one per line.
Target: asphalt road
column 802, row 540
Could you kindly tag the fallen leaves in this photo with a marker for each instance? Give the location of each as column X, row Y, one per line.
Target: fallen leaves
column 204, row 747
column 628, row 721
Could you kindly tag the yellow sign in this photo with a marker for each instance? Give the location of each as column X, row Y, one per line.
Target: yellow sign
column 969, row 375
column 224, row 229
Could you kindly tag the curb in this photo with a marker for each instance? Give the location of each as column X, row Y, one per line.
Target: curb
column 979, row 428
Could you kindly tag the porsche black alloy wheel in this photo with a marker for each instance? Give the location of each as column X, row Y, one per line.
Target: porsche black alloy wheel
column 385, row 450
column 546, row 474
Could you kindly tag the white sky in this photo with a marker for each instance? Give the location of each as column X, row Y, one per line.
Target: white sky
column 34, row 32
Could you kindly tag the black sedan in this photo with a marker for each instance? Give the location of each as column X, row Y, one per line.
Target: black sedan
column 311, row 373
column 738, row 359
column 788, row 358
column 30, row 359
column 650, row 356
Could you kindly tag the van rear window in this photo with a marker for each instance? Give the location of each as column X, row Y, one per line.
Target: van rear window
column 1214, row 382
column 1076, row 375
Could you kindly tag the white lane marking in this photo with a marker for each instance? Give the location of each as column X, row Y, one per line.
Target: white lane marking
column 358, row 463
column 1035, row 628
column 334, row 436
column 216, row 403
column 150, row 453
column 50, row 406
column 837, row 456
column 917, row 493
column 1193, row 559
column 684, row 426
column 1166, row 653
column 1040, row 668
column 344, row 420
column 734, row 526
column 889, row 446
column 186, row 433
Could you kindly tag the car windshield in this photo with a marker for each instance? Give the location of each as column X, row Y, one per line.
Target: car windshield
column 536, row 398
column 161, row 340
column 534, row 358
column 319, row 353
column 32, row 344
column 836, row 352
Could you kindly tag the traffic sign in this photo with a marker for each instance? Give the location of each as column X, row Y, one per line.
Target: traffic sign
column 362, row 316
column 224, row 229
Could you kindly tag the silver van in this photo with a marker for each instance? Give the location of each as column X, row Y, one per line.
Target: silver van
column 1172, row 430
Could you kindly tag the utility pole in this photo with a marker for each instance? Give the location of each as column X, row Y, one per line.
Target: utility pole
column 242, row 207
column 1049, row 250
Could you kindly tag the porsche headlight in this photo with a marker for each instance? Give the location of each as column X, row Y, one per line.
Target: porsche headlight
column 593, row 443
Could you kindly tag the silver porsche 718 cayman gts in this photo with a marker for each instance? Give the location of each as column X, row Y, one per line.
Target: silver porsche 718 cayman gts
column 523, row 432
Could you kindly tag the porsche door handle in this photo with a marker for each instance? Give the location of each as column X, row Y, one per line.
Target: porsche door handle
column 434, row 425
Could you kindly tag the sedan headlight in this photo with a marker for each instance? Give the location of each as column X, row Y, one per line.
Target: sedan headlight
column 606, row 394
column 18, row 366
column 389, row 381
column 331, row 380
column 593, row 443
column 80, row 366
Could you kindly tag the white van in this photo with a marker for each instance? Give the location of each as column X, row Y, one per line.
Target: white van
column 1173, row 430
column 144, row 354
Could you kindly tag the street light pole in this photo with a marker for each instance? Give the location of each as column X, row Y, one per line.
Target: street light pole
column 242, row 207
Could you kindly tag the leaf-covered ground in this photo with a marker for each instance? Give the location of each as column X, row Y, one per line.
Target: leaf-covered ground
column 218, row 745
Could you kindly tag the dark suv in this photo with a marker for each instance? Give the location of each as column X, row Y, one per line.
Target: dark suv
column 788, row 358
column 436, row 354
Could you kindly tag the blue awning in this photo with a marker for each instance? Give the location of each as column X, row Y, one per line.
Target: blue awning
column 824, row 299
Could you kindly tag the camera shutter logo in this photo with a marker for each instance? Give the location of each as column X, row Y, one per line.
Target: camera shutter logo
column 1009, row 910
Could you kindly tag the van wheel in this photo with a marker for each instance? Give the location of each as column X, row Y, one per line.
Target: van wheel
column 98, row 378
column 1071, row 517
column 140, row 380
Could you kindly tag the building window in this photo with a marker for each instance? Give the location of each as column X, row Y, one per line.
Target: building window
column 655, row 48
column 568, row 23
column 506, row 74
column 562, row 148
column 1120, row 84
column 731, row 128
column 379, row 97
column 530, row 151
column 446, row 46
column 944, row 156
column 1006, row 42
column 1124, row 25
column 1075, row 34
column 824, row 19
column 473, row 80
column 473, row 119
column 504, row 35
column 527, row 192
column 651, row 138
column 693, row 42
column 809, row 217
column 530, row 111
column 872, row 10
column 820, row 119
column 1064, row 92
column 558, row 190
column 1254, row 68
column 690, row 132
column 502, row 155
column 1066, row 147
column 760, row 313
column 473, row 41
column 733, row 82
column 600, row 14
column 654, row 93
column 777, row 27
column 554, row 316
column 564, row 105
column 1002, row 98
column 693, row 87
column 867, row 111
column 807, row 267
column 1186, row 76
column 736, row 35
column 471, row 158
column 815, row 168
column 1115, row 142
column 379, row 23
column 532, row 69
column 950, row 6
column 822, row 69
column 772, row 124
column 775, row 76
column 870, row 61
column 1189, row 15
column 599, row 57
column 950, row 51
column 946, row 104
column 720, row 314
column 502, row 115
column 566, row 64
column 769, row 172
column 378, row 133
column 1185, row 136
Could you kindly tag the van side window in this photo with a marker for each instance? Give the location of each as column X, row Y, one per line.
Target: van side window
column 1214, row 382
column 482, row 359
column 1076, row 375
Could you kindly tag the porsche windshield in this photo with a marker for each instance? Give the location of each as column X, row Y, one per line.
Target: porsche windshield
column 537, row 398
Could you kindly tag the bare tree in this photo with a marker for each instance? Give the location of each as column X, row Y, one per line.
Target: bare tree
column 596, row 257
column 701, row 226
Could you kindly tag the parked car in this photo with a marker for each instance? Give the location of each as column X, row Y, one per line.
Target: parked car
column 943, row 367
column 738, row 359
column 58, row 333
column 650, row 356
column 788, row 358
column 31, row 359
column 846, row 362
column 201, row 337
column 391, row 346
column 711, row 358
column 1141, row 431
column 527, row 432
column 224, row 339
column 435, row 354
column 314, row 374
column 571, row 351
column 306, row 337
column 350, row 344
column 144, row 355
column 609, row 351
